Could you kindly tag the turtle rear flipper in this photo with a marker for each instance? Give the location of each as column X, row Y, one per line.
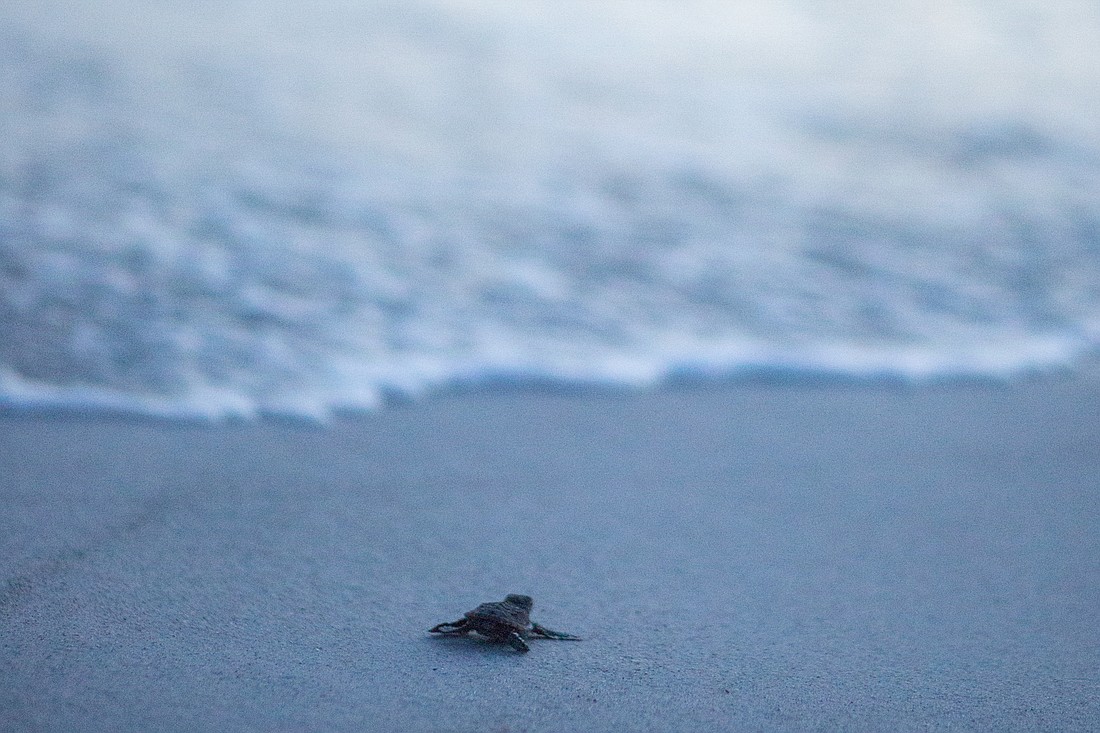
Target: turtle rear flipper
column 551, row 634
column 461, row 626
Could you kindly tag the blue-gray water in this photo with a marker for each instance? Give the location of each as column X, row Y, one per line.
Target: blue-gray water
column 241, row 207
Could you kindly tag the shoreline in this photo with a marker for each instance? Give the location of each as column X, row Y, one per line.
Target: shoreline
column 740, row 556
column 93, row 404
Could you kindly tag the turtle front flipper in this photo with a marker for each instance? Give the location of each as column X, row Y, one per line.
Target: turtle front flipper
column 516, row 642
column 551, row 634
column 462, row 626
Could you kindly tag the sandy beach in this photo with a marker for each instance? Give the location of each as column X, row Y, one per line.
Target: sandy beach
column 740, row 557
column 758, row 343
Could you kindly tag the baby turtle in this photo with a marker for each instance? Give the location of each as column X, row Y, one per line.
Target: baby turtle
column 507, row 621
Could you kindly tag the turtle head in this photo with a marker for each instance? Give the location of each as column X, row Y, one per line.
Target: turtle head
column 524, row 602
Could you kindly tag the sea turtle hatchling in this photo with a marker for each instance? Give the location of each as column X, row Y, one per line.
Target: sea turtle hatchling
column 507, row 621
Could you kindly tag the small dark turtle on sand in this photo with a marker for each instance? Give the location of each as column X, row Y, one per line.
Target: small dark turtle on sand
column 507, row 621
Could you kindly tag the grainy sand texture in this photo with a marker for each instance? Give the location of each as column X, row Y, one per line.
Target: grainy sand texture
column 739, row 557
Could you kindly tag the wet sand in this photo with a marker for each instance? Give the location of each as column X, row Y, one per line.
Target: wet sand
column 737, row 557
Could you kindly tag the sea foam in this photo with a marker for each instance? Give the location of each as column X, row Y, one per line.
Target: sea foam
column 263, row 208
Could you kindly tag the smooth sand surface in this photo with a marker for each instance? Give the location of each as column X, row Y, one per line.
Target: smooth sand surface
column 742, row 557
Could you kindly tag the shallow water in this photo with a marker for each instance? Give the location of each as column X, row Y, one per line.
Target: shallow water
column 255, row 207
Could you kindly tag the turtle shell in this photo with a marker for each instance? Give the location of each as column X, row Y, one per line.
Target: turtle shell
column 513, row 611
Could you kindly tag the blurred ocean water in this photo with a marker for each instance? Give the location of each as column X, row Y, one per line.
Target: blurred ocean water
column 260, row 207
